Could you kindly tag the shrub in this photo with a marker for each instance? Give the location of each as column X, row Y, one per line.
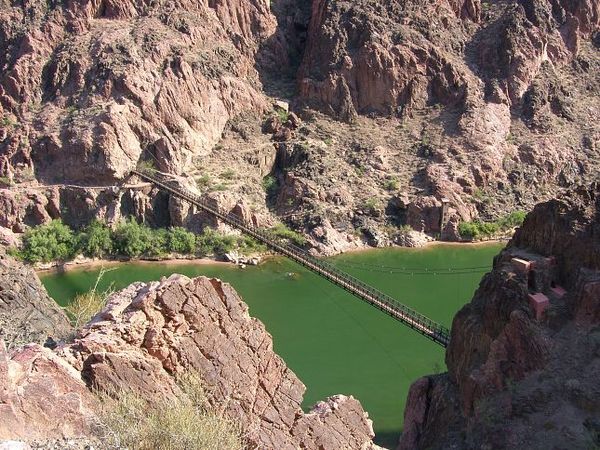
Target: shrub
column 247, row 245
column 96, row 241
column 132, row 239
column 181, row 241
column 229, row 174
column 87, row 305
column 391, row 184
column 158, row 243
column 514, row 219
column 477, row 229
column 269, row 184
column 183, row 423
column 51, row 242
column 203, row 181
column 146, row 167
column 211, row 242
column 283, row 232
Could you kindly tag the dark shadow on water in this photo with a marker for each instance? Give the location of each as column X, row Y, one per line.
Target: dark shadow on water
column 387, row 439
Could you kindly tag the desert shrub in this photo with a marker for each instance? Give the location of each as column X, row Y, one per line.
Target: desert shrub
column 248, row 245
column 181, row 241
column 391, row 184
column 210, row 242
column 147, row 167
column 269, row 184
column 158, row 244
column 132, row 239
column 50, row 242
column 477, row 229
column 95, row 240
column 85, row 306
column 514, row 219
column 183, row 423
column 283, row 232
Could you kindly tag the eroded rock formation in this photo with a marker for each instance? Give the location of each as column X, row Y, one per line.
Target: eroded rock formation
column 516, row 380
column 146, row 336
column 27, row 314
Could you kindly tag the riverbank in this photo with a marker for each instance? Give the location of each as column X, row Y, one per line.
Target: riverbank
column 82, row 262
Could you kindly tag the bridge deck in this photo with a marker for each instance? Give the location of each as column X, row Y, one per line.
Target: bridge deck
column 422, row 324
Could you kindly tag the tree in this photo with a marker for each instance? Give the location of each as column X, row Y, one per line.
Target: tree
column 96, row 241
column 50, row 242
column 132, row 239
column 181, row 241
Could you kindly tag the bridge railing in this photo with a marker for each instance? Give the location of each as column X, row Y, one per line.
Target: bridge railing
column 386, row 303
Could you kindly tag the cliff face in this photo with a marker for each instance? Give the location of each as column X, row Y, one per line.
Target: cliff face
column 27, row 314
column 490, row 104
column 146, row 336
column 517, row 379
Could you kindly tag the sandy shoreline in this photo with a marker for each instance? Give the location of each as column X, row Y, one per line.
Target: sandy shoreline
column 86, row 263
column 100, row 263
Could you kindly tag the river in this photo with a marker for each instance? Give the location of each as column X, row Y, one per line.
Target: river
column 334, row 342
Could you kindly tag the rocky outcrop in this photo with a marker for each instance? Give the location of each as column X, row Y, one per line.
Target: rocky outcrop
column 147, row 335
column 27, row 314
column 363, row 57
column 41, row 396
column 516, row 378
column 99, row 85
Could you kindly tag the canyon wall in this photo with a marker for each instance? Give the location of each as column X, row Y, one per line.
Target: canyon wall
column 518, row 378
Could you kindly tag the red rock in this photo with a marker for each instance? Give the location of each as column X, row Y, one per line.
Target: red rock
column 42, row 397
column 149, row 333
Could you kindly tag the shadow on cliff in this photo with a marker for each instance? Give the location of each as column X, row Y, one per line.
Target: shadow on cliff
column 279, row 57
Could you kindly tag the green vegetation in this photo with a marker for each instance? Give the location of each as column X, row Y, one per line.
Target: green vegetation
column 283, row 232
column 182, row 241
column 282, row 114
column 51, row 242
column 185, row 422
column 229, row 174
column 203, row 181
column 391, row 184
column 95, row 241
column 6, row 181
column 57, row 242
column 146, row 167
column 269, row 184
column 478, row 229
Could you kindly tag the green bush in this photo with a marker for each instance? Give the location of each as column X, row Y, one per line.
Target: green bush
column 269, row 184
column 158, row 244
column 477, row 229
column 51, row 242
column 283, row 232
column 132, row 239
column 95, row 240
column 248, row 245
column 210, row 242
column 182, row 241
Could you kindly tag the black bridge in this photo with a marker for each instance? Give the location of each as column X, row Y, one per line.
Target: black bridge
column 427, row 327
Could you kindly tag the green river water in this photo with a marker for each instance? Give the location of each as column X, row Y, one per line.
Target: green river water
column 334, row 342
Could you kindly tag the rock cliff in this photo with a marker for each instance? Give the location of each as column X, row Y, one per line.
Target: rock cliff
column 146, row 336
column 27, row 314
column 524, row 354
column 489, row 104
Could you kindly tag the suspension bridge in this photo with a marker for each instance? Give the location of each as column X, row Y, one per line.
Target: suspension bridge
column 406, row 315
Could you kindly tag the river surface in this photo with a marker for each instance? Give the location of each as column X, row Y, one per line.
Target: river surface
column 334, row 342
